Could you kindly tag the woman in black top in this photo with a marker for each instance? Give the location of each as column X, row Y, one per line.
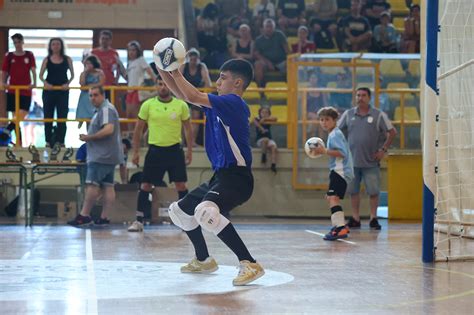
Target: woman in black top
column 243, row 46
column 197, row 74
column 56, row 64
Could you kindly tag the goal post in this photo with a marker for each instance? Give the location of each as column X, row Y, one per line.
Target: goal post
column 448, row 130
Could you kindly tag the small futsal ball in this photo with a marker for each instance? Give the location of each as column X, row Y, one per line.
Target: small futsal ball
column 313, row 143
column 169, row 53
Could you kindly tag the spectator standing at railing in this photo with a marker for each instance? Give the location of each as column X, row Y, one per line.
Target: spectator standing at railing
column 315, row 100
column 18, row 68
column 109, row 59
column 136, row 68
column 271, row 49
column 56, row 64
column 91, row 76
column 197, row 74
column 303, row 45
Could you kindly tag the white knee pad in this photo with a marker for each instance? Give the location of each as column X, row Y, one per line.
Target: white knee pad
column 180, row 218
column 207, row 214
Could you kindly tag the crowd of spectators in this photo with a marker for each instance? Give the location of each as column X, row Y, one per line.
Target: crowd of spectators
column 338, row 25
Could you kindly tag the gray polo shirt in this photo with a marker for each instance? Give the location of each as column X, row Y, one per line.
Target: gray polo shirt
column 107, row 150
column 272, row 47
column 365, row 134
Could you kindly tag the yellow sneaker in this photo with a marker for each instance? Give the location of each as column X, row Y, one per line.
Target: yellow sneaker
column 248, row 272
column 195, row 266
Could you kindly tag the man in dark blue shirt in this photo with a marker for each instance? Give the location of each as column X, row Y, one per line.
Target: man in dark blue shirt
column 228, row 149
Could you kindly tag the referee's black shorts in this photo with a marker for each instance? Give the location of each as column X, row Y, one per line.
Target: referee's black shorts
column 160, row 160
column 228, row 188
column 337, row 185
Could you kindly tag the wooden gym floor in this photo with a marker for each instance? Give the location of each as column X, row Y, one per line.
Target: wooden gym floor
column 56, row 269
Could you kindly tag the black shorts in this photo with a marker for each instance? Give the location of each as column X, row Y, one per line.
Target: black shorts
column 228, row 188
column 25, row 102
column 337, row 185
column 160, row 160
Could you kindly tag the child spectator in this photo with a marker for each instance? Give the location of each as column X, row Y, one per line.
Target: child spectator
column 91, row 76
column 303, row 45
column 264, row 135
column 341, row 171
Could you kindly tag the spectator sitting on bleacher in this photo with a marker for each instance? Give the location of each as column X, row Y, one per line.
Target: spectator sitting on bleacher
column 228, row 8
column 291, row 13
column 303, row 45
column 357, row 30
column 208, row 27
column 271, row 49
column 373, row 11
column 385, row 35
column 264, row 9
column 264, row 135
column 323, row 25
column 244, row 45
column 411, row 36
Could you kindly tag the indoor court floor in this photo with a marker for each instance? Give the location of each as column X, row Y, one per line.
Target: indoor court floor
column 56, row 269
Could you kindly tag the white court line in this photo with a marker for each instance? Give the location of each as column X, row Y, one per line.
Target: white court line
column 92, row 294
column 28, row 253
column 321, row 234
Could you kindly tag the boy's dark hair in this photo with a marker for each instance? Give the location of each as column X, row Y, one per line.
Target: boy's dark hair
column 17, row 36
column 241, row 68
column 106, row 33
column 365, row 89
column 328, row 111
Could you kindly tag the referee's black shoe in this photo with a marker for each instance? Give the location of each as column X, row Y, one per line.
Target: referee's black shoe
column 374, row 224
column 353, row 223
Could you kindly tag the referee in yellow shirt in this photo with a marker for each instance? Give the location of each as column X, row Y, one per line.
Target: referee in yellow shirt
column 165, row 116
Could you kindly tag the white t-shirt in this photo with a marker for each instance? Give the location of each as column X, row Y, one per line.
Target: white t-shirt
column 268, row 10
column 136, row 71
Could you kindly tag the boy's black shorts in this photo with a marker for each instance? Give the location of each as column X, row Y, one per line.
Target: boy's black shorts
column 160, row 160
column 228, row 188
column 337, row 185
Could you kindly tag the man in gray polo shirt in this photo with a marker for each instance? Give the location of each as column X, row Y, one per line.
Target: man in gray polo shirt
column 104, row 153
column 369, row 133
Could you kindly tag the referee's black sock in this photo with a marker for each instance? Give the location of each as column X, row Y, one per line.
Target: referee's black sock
column 200, row 246
column 230, row 237
column 143, row 205
column 182, row 193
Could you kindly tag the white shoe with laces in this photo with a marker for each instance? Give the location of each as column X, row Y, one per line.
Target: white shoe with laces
column 136, row 227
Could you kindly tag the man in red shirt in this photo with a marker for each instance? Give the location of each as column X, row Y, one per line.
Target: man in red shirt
column 18, row 68
column 109, row 59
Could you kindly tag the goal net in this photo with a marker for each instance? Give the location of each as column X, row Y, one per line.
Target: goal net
column 449, row 127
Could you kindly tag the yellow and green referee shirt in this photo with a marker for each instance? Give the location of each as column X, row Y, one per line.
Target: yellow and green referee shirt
column 164, row 120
